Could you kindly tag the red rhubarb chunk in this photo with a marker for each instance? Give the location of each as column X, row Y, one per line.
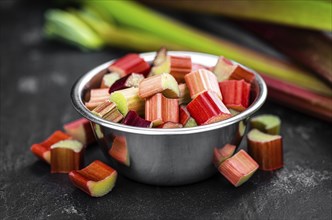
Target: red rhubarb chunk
column 80, row 130
column 97, row 179
column 43, row 149
column 207, row 108
column 239, row 168
column 130, row 63
column 235, row 94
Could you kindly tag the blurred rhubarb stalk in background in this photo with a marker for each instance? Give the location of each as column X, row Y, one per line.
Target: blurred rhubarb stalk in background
column 127, row 24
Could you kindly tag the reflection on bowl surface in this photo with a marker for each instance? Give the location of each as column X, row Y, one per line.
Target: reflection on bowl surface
column 165, row 156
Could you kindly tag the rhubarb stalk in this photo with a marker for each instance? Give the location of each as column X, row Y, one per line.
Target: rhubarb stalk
column 96, row 180
column 80, row 130
column 133, row 119
column 269, row 124
column 108, row 111
column 128, row 99
column 266, row 149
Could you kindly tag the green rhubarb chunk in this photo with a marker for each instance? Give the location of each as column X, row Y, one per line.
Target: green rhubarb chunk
column 128, row 99
column 258, row 136
column 266, row 123
column 190, row 123
column 170, row 86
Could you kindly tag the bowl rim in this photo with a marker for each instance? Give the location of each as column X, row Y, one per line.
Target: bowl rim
column 79, row 86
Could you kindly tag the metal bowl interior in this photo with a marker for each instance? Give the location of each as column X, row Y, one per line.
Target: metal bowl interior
column 164, row 156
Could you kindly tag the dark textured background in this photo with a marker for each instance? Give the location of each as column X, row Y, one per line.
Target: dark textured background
column 36, row 77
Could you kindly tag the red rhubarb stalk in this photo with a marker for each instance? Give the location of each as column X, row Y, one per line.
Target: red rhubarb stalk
column 235, row 94
column 96, row 180
column 179, row 67
column 130, row 63
column 239, row 168
column 133, row 119
column 299, row 99
column 130, row 80
column 207, row 108
column 97, row 96
column 266, row 149
column 200, row 81
column 66, row 155
column 43, row 150
column 80, row 130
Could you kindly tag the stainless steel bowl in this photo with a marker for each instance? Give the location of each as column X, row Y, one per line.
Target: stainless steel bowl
column 166, row 156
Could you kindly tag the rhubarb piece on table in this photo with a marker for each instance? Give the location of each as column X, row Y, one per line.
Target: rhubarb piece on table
column 133, row 119
column 109, row 79
column 235, row 94
column 269, row 124
column 266, row 149
column 128, row 99
column 97, row 96
column 184, row 117
column 159, row 109
column 184, row 97
column 207, row 108
column 225, row 69
column 200, row 81
column 43, row 150
column 179, row 67
column 222, row 154
column 96, row 180
column 170, row 124
column 164, row 83
column 80, row 130
column 66, row 155
column 130, row 63
column 239, row 168
column 119, row 150
column 108, row 111
column 130, row 80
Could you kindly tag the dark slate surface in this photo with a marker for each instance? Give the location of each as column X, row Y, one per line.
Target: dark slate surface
column 36, row 77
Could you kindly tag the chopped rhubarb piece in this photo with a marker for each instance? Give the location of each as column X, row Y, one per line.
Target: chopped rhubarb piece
column 108, row 111
column 160, row 57
column 225, row 69
column 266, row 123
column 130, row 63
column 190, row 123
column 80, row 130
column 235, row 94
column 233, row 112
column 164, row 83
column 222, row 154
column 170, row 124
column 163, row 67
column 179, row 67
column 119, row 150
column 130, row 80
column 66, row 155
column 133, row 119
column 128, row 99
column 43, row 150
column 207, row 108
column 239, row 168
column 96, row 180
column 266, row 149
column 159, row 109
column 196, row 66
column 109, row 79
column 200, row 81
column 184, row 97
column 97, row 96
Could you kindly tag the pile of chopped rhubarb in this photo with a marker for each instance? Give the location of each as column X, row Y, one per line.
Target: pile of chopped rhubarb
column 171, row 92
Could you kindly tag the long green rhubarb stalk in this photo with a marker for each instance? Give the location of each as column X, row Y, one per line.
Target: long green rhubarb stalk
column 89, row 31
column 311, row 14
column 310, row 48
column 132, row 15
